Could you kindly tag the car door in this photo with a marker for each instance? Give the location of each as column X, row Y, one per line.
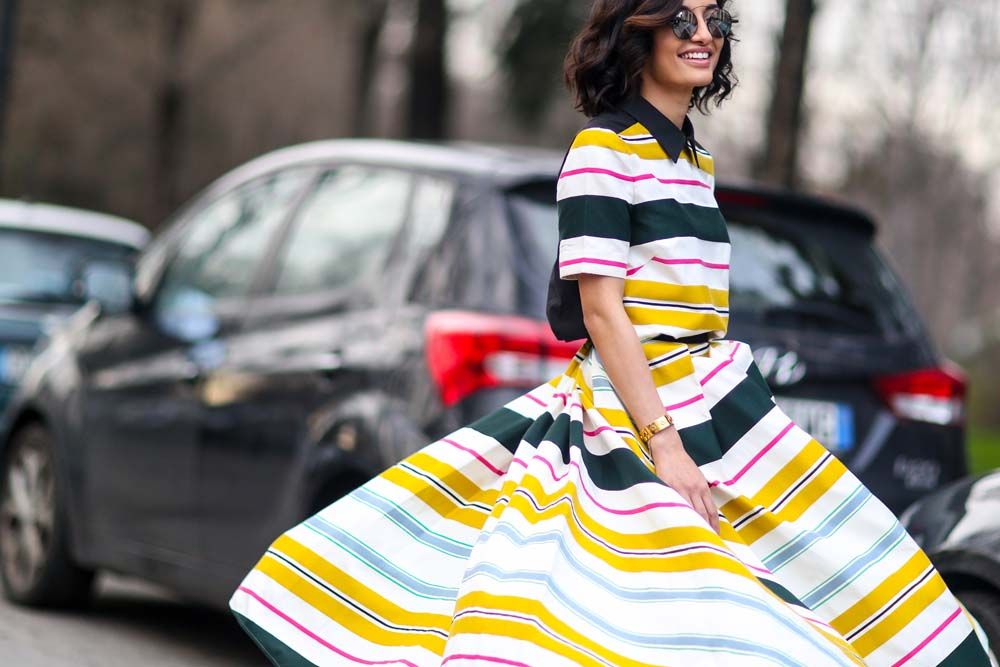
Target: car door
column 307, row 343
column 145, row 371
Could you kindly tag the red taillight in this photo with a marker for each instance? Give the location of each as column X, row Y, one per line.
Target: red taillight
column 470, row 351
column 934, row 395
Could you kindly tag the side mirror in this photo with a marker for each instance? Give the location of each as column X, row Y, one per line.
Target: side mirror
column 187, row 313
column 109, row 283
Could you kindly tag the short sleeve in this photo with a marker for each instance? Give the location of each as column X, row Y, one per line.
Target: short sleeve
column 594, row 198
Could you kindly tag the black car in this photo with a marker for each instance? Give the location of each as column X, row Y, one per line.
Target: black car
column 321, row 312
column 959, row 528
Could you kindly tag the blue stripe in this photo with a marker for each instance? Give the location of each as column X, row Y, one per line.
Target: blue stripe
column 641, row 595
column 377, row 562
column 806, row 539
column 411, row 525
column 858, row 566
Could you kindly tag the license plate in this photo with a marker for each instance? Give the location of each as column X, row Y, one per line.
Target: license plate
column 827, row 421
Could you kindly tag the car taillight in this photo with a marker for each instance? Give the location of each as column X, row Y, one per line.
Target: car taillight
column 469, row 351
column 933, row 395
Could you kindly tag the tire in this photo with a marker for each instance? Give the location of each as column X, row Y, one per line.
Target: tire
column 984, row 605
column 36, row 568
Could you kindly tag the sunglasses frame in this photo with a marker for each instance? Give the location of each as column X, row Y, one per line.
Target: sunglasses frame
column 712, row 21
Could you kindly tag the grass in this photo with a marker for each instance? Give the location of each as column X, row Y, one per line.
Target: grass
column 984, row 449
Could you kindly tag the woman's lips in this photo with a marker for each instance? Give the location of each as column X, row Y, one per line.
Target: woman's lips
column 704, row 63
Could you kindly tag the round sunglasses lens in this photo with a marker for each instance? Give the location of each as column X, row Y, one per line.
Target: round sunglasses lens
column 719, row 23
column 685, row 24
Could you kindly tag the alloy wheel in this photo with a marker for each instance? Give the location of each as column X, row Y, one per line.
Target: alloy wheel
column 27, row 514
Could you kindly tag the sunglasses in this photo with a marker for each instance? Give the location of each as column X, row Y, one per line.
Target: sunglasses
column 719, row 21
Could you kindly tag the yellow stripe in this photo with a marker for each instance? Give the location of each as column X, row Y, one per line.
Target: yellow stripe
column 464, row 487
column 889, row 626
column 696, row 295
column 435, row 498
column 527, row 631
column 855, row 615
column 602, row 138
column 664, row 538
column 674, row 318
column 342, row 613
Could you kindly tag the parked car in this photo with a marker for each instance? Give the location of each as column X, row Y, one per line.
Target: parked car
column 52, row 259
column 322, row 311
column 959, row 528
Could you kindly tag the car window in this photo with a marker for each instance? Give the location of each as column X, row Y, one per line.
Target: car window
column 45, row 267
column 344, row 230
column 223, row 243
column 431, row 211
column 816, row 277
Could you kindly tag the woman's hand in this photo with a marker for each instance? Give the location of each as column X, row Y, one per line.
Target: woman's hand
column 679, row 472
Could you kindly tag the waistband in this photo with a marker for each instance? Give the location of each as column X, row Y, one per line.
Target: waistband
column 688, row 340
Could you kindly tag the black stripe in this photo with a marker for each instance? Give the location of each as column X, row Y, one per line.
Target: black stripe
column 351, row 603
column 809, row 475
column 892, row 605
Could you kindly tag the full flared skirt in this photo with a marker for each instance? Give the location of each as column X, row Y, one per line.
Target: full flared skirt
column 541, row 536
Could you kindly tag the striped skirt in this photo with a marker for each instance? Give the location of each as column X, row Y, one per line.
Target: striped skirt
column 540, row 536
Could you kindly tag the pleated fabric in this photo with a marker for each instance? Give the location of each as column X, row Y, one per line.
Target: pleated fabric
column 540, row 534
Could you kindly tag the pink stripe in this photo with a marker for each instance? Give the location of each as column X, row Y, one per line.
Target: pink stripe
column 919, row 647
column 710, row 265
column 483, row 658
column 573, row 464
column 632, row 272
column 732, row 355
column 684, row 404
column 478, row 456
column 599, row 431
column 758, row 457
column 594, row 260
column 633, row 179
column 536, row 400
column 316, row 637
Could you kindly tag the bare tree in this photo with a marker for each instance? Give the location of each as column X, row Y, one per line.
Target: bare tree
column 427, row 109
column 780, row 156
column 176, row 17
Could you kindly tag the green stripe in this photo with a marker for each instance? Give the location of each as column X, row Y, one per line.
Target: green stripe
column 740, row 410
column 969, row 653
column 594, row 215
column 503, row 425
column 667, row 218
column 781, row 592
column 277, row 652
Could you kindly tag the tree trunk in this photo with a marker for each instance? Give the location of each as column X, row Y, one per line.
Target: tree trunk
column 8, row 25
column 428, row 86
column 784, row 120
column 373, row 17
column 169, row 106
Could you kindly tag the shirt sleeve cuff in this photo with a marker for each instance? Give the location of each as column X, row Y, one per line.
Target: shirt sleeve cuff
column 593, row 255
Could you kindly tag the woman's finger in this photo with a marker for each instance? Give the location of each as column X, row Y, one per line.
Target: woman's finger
column 713, row 512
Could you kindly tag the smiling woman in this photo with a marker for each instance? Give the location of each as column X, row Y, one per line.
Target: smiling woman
column 651, row 504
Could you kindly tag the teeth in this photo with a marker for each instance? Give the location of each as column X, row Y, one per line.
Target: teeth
column 700, row 55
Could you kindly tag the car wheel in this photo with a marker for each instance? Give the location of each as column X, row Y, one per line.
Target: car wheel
column 984, row 605
column 36, row 568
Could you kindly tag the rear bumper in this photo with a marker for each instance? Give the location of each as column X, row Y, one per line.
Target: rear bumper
column 901, row 461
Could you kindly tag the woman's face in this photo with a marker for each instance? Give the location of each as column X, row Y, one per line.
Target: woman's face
column 675, row 62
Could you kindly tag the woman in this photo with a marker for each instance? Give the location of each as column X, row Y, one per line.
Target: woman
column 649, row 506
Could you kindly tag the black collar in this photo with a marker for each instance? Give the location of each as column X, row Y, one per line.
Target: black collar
column 671, row 138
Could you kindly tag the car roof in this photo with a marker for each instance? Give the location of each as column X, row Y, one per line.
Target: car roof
column 48, row 218
column 511, row 165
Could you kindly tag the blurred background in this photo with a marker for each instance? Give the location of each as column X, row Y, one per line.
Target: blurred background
column 132, row 106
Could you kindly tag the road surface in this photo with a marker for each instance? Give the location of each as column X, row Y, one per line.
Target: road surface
column 129, row 624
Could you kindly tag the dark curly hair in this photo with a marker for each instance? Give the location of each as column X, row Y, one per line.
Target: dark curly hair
column 605, row 61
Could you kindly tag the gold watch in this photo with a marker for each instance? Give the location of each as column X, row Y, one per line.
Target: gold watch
column 659, row 424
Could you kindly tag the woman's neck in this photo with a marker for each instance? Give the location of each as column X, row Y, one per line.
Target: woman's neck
column 673, row 104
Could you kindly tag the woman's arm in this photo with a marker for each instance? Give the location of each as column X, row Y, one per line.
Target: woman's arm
column 619, row 348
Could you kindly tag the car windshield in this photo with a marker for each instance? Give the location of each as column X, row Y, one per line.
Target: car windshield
column 816, row 276
column 45, row 267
